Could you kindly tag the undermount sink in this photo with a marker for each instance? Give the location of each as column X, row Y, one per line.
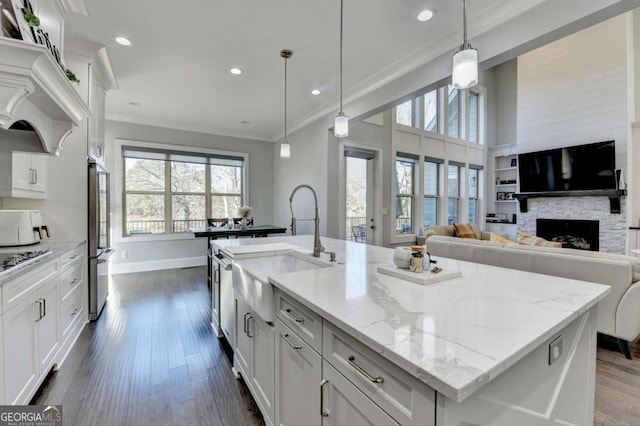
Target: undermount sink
column 251, row 278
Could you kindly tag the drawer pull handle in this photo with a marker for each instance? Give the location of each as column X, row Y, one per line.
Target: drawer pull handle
column 286, row 339
column 73, row 257
column 249, row 326
column 244, row 328
column 75, row 311
column 75, row 280
column 40, row 314
column 293, row 317
column 352, row 361
column 323, row 412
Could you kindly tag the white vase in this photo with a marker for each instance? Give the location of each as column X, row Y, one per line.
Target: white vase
column 402, row 257
column 243, row 222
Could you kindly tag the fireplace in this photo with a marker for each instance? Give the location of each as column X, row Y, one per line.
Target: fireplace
column 576, row 234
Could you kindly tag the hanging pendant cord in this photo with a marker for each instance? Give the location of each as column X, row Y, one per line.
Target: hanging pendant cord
column 285, row 100
column 464, row 23
column 341, row 14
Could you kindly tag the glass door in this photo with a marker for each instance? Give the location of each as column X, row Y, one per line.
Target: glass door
column 360, row 198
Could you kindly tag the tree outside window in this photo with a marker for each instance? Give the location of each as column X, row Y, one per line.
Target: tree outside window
column 404, row 195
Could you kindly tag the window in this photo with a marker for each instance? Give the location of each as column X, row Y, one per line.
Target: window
column 454, row 112
column 166, row 191
column 474, row 176
column 430, row 101
column 474, row 114
column 431, row 186
column 404, row 113
column 405, row 168
column 453, row 193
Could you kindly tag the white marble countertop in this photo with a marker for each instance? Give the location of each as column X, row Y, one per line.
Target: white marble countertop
column 56, row 247
column 455, row 336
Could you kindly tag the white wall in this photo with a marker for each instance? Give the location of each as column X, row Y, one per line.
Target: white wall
column 506, row 96
column 574, row 91
column 65, row 209
column 146, row 253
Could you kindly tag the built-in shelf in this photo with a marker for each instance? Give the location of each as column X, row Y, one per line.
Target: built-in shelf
column 506, row 201
column 505, row 169
column 506, row 184
column 613, row 194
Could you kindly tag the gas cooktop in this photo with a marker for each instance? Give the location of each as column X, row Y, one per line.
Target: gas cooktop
column 8, row 261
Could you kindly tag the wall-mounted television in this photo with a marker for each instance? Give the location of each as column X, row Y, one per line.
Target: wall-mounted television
column 574, row 168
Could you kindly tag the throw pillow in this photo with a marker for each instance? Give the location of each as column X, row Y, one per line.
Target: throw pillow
column 497, row 238
column 466, row 230
column 530, row 240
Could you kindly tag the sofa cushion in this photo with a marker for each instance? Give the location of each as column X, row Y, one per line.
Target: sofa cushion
column 467, row 230
column 499, row 239
column 446, row 230
column 530, row 240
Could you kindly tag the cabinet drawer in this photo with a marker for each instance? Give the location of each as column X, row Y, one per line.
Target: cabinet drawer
column 70, row 278
column 71, row 309
column 405, row 398
column 307, row 324
column 17, row 290
column 71, row 256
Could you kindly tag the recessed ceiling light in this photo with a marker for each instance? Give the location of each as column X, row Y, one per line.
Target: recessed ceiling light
column 135, row 104
column 315, row 92
column 245, row 122
column 123, row 41
column 426, row 15
column 235, row 71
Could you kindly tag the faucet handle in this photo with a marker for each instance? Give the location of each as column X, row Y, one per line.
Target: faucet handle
column 332, row 256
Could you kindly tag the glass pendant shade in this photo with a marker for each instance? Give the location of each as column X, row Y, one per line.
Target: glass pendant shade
column 465, row 68
column 341, row 126
column 285, row 150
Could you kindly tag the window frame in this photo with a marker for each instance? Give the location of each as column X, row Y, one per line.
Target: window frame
column 438, row 162
column 407, row 236
column 118, row 188
column 458, row 197
column 478, row 169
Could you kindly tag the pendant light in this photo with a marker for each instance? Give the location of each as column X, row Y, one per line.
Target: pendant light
column 465, row 61
column 285, row 148
column 341, row 124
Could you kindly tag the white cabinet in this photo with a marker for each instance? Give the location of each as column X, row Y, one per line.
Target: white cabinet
column 21, row 355
column 23, row 175
column 298, row 375
column 343, row 404
column 31, row 331
column 96, row 123
column 254, row 357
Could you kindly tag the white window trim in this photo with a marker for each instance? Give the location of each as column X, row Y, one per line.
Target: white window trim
column 410, row 237
column 117, row 206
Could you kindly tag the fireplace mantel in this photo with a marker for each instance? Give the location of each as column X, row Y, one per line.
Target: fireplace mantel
column 613, row 194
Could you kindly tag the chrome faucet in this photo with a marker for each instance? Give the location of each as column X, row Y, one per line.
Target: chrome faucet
column 317, row 245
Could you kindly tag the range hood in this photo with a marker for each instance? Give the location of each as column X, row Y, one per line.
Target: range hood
column 39, row 107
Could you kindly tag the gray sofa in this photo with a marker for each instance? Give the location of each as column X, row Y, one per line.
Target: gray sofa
column 618, row 313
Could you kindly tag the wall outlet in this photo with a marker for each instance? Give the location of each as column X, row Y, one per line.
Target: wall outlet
column 555, row 350
column 124, row 254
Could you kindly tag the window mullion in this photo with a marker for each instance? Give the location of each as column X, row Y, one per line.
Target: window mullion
column 207, row 191
column 167, row 198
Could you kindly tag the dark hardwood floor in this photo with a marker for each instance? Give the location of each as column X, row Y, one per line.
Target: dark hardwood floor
column 152, row 359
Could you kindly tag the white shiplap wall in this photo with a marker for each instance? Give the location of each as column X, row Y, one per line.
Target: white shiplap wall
column 574, row 91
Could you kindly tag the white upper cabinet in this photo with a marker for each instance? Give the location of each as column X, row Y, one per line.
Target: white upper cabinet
column 23, row 175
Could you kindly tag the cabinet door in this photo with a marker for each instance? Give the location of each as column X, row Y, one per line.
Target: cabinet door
column 48, row 326
column 343, row 404
column 242, row 347
column 21, row 171
column 39, row 167
column 262, row 362
column 298, row 376
column 20, row 358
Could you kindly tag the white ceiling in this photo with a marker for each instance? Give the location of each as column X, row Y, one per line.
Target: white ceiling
column 178, row 67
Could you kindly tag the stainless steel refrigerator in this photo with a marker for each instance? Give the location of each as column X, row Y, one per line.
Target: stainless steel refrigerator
column 99, row 238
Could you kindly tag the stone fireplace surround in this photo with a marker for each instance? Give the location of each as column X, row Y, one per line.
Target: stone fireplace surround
column 613, row 227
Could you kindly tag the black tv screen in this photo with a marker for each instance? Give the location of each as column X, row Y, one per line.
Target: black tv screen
column 574, row 168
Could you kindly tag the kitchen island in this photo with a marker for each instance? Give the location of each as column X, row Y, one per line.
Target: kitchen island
column 496, row 346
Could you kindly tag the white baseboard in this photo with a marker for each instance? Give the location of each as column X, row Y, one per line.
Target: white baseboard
column 156, row 265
